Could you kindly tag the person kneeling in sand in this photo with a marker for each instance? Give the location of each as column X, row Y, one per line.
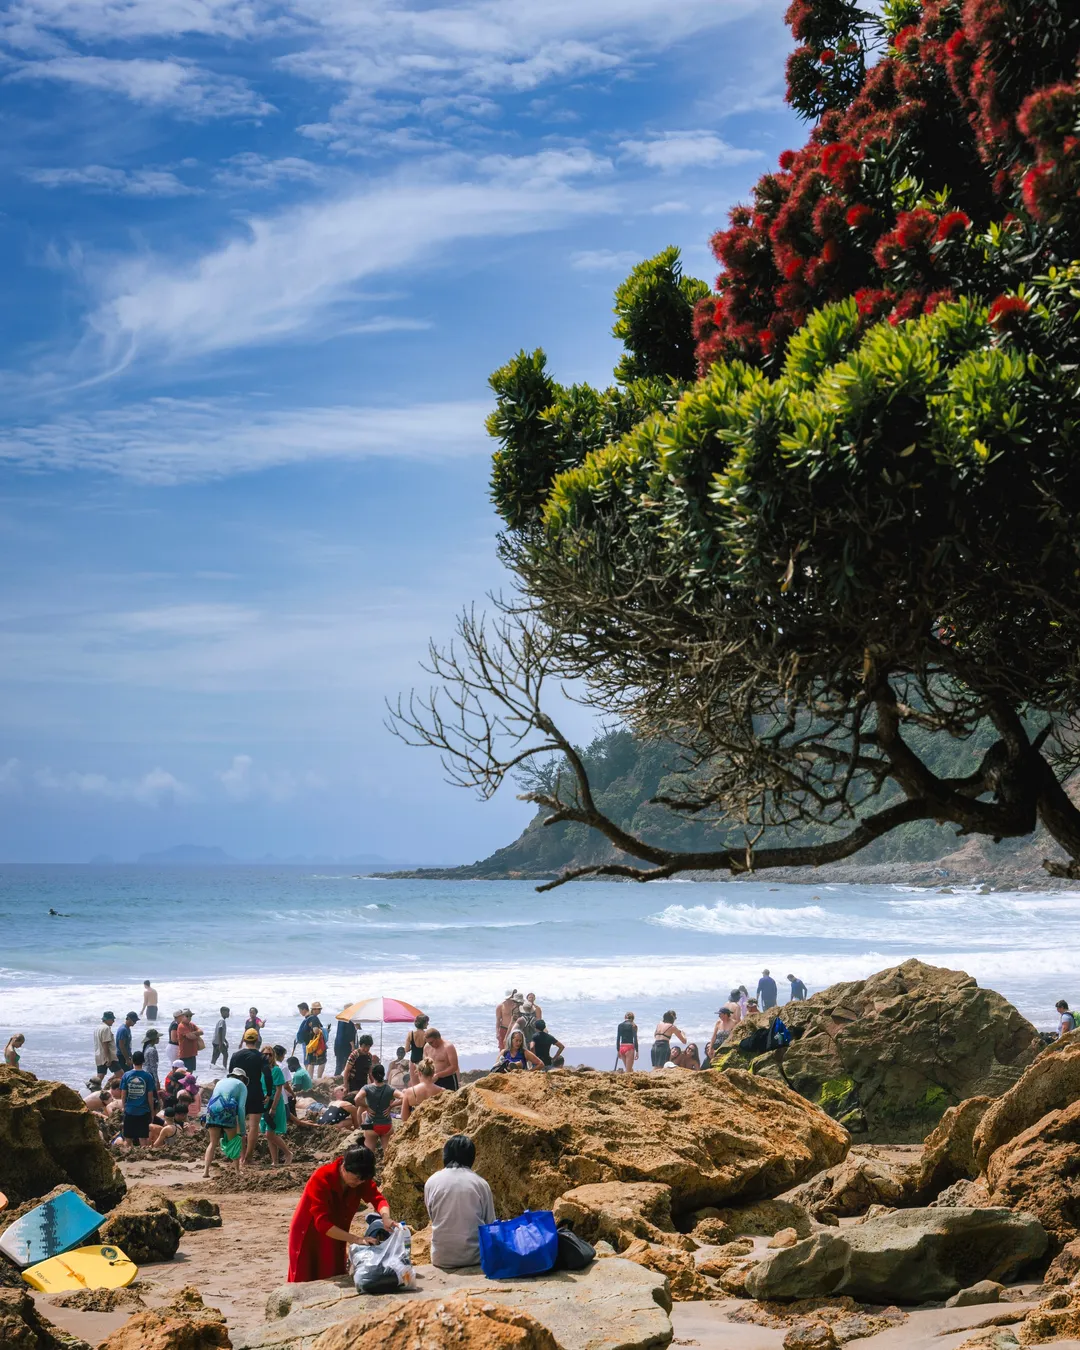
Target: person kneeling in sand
column 458, row 1202
column 412, row 1097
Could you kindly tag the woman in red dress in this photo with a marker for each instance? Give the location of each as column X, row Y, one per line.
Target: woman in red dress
column 319, row 1232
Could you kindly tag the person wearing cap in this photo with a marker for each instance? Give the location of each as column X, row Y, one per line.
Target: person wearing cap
column 105, row 1046
column 506, row 1014
column 188, row 1040
column 319, row 1232
column 225, row 1114
column 123, row 1041
column 721, row 1031
column 260, row 1088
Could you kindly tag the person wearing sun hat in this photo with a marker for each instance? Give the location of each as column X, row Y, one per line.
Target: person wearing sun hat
column 260, row 1088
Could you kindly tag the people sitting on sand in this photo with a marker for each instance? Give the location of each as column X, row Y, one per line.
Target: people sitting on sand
column 11, row 1050
column 685, row 1058
column 178, row 1121
column 100, row 1101
column 225, row 1114
column 443, row 1055
column 547, row 1048
column 414, row 1095
column 517, row 1055
column 298, row 1075
column 506, row 1015
column 358, row 1067
column 626, row 1042
column 339, row 1110
column 319, row 1232
column 414, row 1043
column 665, row 1030
column 397, row 1071
column 1066, row 1020
column 375, row 1100
column 458, row 1202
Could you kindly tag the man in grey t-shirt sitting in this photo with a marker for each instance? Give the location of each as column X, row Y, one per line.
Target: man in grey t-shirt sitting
column 458, row 1202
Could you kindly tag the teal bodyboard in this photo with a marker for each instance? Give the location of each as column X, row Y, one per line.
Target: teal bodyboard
column 56, row 1226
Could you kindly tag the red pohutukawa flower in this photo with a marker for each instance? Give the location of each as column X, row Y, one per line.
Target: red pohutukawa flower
column 952, row 224
column 787, row 160
column 827, row 57
column 1006, row 309
column 860, row 216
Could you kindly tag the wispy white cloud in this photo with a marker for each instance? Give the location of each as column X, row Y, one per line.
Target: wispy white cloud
column 250, row 170
column 168, row 441
column 123, row 182
column 151, row 789
column 675, row 150
column 603, row 260
column 179, row 86
column 243, row 782
column 298, row 270
column 10, row 777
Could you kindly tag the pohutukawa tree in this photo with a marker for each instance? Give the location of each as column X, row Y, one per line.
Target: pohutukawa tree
column 841, row 570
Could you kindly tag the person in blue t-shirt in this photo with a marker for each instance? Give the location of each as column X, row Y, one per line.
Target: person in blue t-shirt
column 798, row 989
column 123, row 1041
column 139, row 1093
column 766, row 991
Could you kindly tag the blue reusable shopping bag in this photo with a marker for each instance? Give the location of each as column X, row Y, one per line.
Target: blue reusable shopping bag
column 527, row 1245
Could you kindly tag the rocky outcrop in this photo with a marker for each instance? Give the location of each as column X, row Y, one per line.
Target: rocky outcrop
column 949, row 1151
column 620, row 1212
column 468, row 1322
column 712, row 1138
column 889, row 1055
column 184, row 1324
column 48, row 1138
column 196, row 1213
column 144, row 1226
column 906, row 1257
column 854, row 1185
column 1038, row 1172
column 1056, row 1317
column 23, row 1328
column 686, row 1282
column 767, row 1217
column 1065, row 1267
column 1050, row 1084
column 612, row 1305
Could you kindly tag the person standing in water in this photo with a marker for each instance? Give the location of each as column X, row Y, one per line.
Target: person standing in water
column 798, row 989
column 149, row 1001
column 219, row 1046
column 123, row 1041
column 766, row 991
column 105, row 1045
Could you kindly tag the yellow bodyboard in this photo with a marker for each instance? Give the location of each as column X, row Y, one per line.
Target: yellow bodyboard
column 84, row 1268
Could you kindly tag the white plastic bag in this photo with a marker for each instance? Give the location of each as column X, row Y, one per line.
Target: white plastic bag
column 385, row 1268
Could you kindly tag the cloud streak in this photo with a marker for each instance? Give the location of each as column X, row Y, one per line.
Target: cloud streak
column 169, row 441
column 290, row 274
column 673, row 151
column 121, row 182
column 179, row 86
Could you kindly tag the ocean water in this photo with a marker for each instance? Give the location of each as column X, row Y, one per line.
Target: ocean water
column 270, row 936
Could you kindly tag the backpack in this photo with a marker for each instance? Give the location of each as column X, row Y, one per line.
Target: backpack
column 317, row 1045
column 574, row 1252
column 756, row 1043
column 779, row 1035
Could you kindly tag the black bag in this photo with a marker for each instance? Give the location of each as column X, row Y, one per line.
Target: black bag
column 574, row 1252
column 756, row 1043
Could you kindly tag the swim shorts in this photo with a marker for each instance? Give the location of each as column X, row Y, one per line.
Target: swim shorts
column 151, row 1012
column 136, row 1127
column 450, row 1082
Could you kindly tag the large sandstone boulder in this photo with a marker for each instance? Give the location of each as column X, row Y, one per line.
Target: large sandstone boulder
column 145, row 1226
column 23, row 1328
column 949, row 1151
column 186, row 1323
column 889, row 1055
column 852, row 1186
column 712, row 1138
column 1051, row 1083
column 467, row 1322
column 612, row 1305
column 1038, row 1172
column 907, row 1257
column 48, row 1138
column 620, row 1212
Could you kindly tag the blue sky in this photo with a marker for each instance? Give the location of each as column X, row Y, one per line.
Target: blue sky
column 257, row 262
